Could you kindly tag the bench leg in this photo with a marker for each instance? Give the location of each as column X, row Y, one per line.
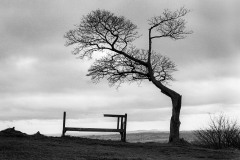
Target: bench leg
column 63, row 133
column 64, row 120
column 125, row 128
column 123, row 136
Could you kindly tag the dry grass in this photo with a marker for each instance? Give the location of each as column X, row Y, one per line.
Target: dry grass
column 73, row 148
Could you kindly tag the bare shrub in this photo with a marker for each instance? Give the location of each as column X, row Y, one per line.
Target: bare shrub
column 221, row 133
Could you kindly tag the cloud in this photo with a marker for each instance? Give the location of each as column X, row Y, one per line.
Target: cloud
column 98, row 100
column 39, row 78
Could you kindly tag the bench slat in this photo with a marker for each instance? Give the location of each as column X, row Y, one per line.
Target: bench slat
column 113, row 115
column 94, row 129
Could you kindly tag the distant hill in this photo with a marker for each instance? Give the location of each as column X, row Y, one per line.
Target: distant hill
column 145, row 136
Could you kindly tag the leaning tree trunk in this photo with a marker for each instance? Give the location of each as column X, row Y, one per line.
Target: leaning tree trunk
column 176, row 107
column 175, row 122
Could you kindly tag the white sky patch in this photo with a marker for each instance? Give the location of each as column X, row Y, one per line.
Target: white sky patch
column 199, row 117
column 25, row 63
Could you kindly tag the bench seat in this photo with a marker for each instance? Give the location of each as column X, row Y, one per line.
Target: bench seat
column 94, row 129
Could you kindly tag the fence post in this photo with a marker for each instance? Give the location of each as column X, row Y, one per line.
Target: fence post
column 118, row 123
column 64, row 120
column 121, row 127
column 125, row 127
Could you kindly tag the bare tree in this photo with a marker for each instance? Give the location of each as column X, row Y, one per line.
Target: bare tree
column 102, row 31
column 221, row 132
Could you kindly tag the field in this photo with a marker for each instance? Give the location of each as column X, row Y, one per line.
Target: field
column 144, row 136
column 38, row 147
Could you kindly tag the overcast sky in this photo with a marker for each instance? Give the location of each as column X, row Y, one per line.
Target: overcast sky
column 40, row 78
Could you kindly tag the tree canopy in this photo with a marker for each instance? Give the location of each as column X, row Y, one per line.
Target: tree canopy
column 103, row 31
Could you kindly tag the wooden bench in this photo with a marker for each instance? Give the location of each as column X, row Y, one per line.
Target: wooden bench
column 121, row 126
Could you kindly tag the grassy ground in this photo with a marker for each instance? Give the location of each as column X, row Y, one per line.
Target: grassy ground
column 72, row 148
